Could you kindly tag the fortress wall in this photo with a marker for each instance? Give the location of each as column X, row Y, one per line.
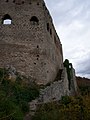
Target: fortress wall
column 74, row 86
column 30, row 48
column 55, row 90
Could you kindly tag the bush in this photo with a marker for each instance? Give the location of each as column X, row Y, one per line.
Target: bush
column 65, row 100
column 14, row 97
column 9, row 110
column 69, row 108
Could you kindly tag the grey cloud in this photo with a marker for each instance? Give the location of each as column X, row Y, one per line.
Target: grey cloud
column 72, row 21
column 83, row 66
column 64, row 11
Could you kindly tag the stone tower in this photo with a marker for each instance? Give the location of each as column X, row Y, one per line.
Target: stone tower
column 28, row 39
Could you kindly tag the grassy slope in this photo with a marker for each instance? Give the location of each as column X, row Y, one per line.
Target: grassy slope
column 14, row 97
column 69, row 108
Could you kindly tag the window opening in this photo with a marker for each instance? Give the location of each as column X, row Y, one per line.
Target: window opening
column 6, row 20
column 37, row 46
column 37, row 3
column 50, row 32
column 6, row 0
column 22, row 2
column 55, row 39
column 37, row 55
column 48, row 26
column 34, row 20
column 13, row 1
column 43, row 4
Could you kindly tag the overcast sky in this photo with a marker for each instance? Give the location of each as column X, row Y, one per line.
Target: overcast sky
column 72, row 22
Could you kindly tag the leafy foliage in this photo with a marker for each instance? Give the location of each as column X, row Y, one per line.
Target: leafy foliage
column 14, row 97
column 69, row 108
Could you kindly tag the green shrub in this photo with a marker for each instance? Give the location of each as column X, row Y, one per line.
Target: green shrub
column 69, row 108
column 14, row 97
column 65, row 100
column 9, row 110
column 85, row 90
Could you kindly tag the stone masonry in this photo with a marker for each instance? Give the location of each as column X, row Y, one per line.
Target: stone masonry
column 55, row 91
column 29, row 43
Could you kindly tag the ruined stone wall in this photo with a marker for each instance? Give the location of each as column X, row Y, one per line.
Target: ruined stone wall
column 55, row 90
column 32, row 48
column 74, row 87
